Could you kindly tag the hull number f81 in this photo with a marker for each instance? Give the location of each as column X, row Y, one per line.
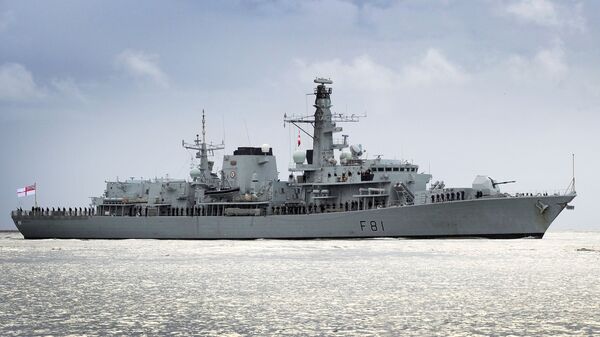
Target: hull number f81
column 372, row 225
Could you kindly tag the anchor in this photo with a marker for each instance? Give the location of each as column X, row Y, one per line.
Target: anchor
column 541, row 206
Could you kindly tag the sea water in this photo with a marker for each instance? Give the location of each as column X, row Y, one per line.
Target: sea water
column 377, row 287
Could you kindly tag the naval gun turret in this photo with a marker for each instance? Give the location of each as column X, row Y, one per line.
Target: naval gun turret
column 488, row 186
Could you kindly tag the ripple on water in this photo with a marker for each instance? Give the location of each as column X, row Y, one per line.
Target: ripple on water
column 312, row 288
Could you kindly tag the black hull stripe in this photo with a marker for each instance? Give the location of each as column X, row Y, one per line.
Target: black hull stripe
column 415, row 237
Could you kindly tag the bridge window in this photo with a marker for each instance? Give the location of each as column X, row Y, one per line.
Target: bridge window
column 402, row 169
column 388, row 169
column 396, row 169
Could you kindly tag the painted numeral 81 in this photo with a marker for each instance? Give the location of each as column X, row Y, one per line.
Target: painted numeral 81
column 373, row 225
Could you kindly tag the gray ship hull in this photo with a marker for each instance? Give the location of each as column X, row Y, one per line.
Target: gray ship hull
column 512, row 217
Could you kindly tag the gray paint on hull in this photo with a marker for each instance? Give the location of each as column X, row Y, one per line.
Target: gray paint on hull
column 493, row 217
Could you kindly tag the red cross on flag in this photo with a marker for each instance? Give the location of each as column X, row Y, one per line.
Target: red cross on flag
column 26, row 191
column 299, row 141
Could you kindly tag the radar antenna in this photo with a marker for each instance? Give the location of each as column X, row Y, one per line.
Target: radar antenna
column 203, row 149
column 201, row 145
column 296, row 119
column 323, row 80
column 323, row 124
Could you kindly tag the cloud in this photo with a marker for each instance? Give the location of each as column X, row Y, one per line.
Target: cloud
column 541, row 12
column 433, row 68
column 6, row 19
column 17, row 84
column 362, row 72
column 142, row 66
column 545, row 64
column 546, row 13
column 67, row 87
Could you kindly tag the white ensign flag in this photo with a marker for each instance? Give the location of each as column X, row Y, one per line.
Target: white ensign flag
column 26, row 191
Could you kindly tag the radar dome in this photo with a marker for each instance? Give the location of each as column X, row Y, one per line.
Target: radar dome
column 195, row 173
column 299, row 157
column 265, row 148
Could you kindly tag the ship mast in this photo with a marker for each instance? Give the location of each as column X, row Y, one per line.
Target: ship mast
column 203, row 151
column 324, row 124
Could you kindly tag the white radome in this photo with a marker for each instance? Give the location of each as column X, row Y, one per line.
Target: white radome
column 345, row 156
column 195, row 173
column 265, row 148
column 356, row 150
column 299, row 157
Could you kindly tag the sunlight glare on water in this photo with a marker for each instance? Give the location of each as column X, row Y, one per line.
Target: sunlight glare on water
column 318, row 287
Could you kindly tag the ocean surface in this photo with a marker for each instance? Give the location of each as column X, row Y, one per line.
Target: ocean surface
column 378, row 287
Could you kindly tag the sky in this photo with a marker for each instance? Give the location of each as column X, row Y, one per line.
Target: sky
column 95, row 90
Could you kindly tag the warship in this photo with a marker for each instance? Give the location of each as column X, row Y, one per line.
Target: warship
column 332, row 191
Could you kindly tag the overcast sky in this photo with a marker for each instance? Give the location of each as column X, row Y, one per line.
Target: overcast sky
column 94, row 90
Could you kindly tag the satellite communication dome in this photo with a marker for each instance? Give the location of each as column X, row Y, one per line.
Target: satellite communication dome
column 265, row 148
column 356, row 150
column 345, row 156
column 299, row 157
column 195, row 173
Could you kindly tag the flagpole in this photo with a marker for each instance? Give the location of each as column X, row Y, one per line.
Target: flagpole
column 573, row 163
column 35, row 194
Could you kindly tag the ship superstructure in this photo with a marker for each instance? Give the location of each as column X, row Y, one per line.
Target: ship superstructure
column 332, row 191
